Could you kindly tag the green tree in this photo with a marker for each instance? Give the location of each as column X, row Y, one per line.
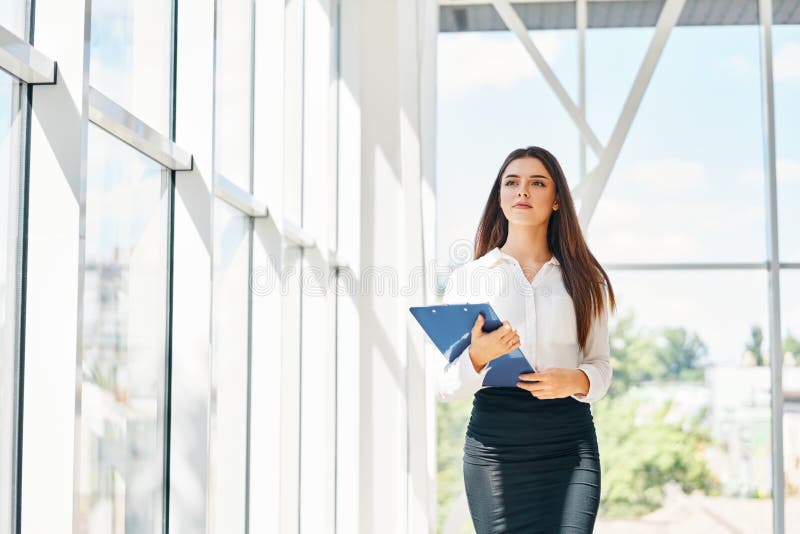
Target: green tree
column 638, row 356
column 451, row 427
column 754, row 345
column 682, row 355
column 638, row 458
column 791, row 345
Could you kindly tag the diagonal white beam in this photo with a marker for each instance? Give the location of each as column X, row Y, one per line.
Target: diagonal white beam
column 23, row 61
column 237, row 197
column 592, row 186
column 125, row 126
column 515, row 24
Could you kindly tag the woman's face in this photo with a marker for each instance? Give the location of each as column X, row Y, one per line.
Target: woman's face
column 526, row 180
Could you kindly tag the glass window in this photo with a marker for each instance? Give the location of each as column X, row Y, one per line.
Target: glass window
column 491, row 99
column 232, row 251
column 230, row 369
column 786, row 73
column 10, row 243
column 689, row 348
column 687, row 421
column 124, row 339
column 12, row 16
column 130, row 56
column 687, row 184
column 233, row 103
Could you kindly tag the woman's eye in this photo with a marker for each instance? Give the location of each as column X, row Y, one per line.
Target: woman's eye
column 537, row 182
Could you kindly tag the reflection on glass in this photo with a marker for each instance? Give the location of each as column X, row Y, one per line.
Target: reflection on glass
column 124, row 340
column 130, row 56
column 12, row 16
column 9, row 257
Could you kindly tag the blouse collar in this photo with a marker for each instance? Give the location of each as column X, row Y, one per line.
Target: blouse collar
column 496, row 255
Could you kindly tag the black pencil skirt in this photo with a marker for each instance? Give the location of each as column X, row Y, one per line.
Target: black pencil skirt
column 531, row 465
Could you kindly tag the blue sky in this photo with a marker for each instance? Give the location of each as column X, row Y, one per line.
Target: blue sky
column 688, row 185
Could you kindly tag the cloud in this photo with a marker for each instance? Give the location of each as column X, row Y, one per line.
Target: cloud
column 738, row 65
column 623, row 224
column 785, row 66
column 470, row 60
column 668, row 175
column 674, row 210
column 785, row 62
column 788, row 173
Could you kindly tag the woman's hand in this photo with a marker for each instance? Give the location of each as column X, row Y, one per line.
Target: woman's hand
column 555, row 383
column 486, row 346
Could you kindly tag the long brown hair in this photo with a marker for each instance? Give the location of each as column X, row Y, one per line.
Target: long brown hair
column 583, row 276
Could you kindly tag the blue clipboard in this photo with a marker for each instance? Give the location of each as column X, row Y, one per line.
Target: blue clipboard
column 449, row 327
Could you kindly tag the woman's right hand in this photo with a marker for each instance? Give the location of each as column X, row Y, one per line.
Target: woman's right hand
column 486, row 346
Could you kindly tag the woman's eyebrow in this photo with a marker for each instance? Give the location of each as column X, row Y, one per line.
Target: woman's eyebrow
column 531, row 176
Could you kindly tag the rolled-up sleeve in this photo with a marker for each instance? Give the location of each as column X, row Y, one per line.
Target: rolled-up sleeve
column 596, row 362
column 457, row 379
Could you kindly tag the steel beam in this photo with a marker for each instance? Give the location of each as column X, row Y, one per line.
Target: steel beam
column 515, row 24
column 590, row 188
column 123, row 125
column 23, row 61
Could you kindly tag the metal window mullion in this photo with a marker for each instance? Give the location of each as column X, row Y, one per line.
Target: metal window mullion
column 166, row 392
column 250, row 247
column 773, row 273
column 581, row 22
column 22, row 98
column 698, row 266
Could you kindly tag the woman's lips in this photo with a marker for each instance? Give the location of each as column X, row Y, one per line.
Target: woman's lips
column 521, row 206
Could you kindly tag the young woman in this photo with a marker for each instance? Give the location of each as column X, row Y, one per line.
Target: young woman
column 531, row 460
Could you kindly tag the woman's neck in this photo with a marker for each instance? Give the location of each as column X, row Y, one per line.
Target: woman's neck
column 528, row 248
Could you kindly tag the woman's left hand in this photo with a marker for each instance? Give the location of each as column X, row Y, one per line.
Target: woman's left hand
column 555, row 383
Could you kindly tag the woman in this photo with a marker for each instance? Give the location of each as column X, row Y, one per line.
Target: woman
column 531, row 460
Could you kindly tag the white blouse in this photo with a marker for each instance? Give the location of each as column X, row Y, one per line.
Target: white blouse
column 543, row 314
